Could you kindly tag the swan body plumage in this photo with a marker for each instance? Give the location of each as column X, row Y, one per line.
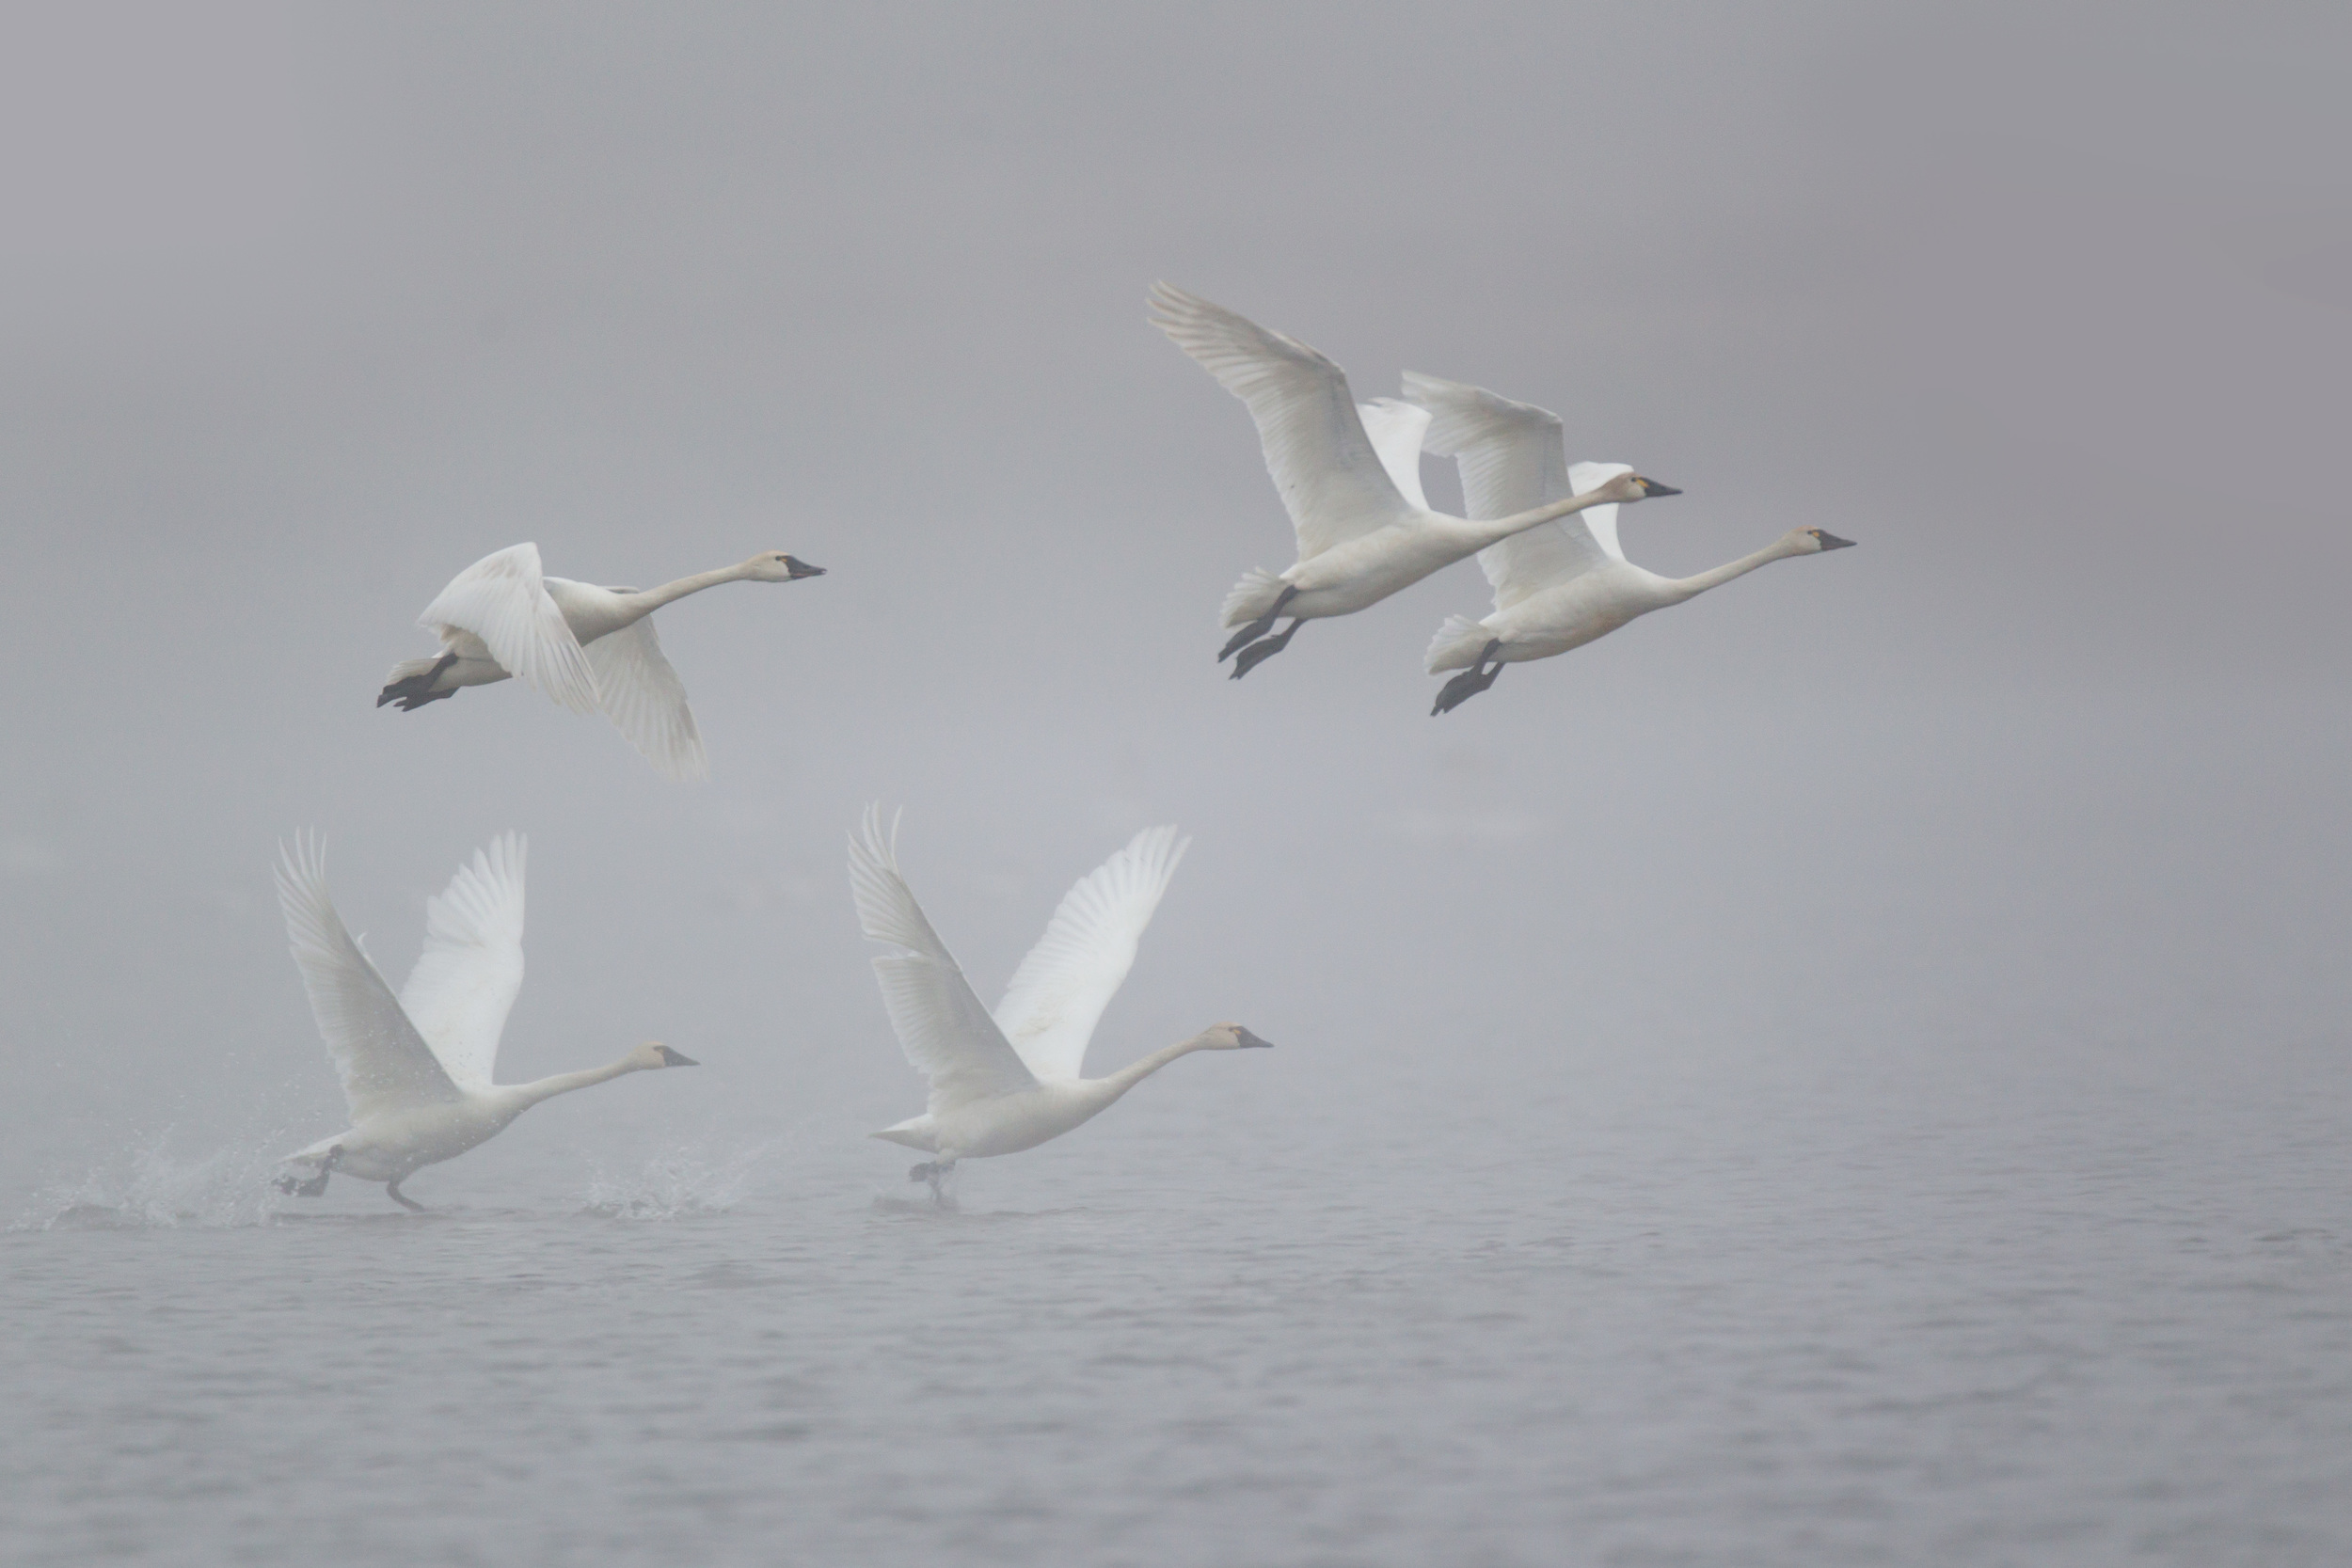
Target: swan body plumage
column 1562, row 584
column 417, row 1066
column 589, row 648
column 1350, row 483
column 1009, row 1081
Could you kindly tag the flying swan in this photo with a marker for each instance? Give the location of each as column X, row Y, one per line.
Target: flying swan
column 1009, row 1082
column 415, row 1068
column 1354, row 495
column 1560, row 585
column 585, row 646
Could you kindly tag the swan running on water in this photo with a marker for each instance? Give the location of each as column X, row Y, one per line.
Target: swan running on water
column 1364, row 529
column 416, row 1067
column 1563, row 584
column 585, row 646
column 1009, row 1082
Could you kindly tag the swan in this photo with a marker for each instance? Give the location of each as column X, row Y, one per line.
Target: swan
column 1009, row 1082
column 416, row 1067
column 1365, row 528
column 585, row 646
column 1560, row 585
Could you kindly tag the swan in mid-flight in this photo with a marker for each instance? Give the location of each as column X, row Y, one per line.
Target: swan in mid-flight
column 1563, row 584
column 1004, row 1083
column 1364, row 529
column 416, row 1067
column 585, row 646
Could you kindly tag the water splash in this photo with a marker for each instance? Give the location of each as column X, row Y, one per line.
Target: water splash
column 674, row 1186
column 149, row 1186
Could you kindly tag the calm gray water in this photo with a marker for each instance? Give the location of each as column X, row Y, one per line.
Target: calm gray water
column 1960, row 1301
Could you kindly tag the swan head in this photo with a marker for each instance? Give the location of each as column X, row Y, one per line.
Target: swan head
column 777, row 567
column 1633, row 487
column 1231, row 1037
column 653, row 1054
column 1813, row 541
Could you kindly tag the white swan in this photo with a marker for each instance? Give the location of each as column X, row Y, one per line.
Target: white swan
column 1563, row 584
column 1364, row 529
column 1003, row 1084
column 585, row 646
column 415, row 1068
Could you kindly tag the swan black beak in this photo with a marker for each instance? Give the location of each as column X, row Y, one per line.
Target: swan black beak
column 797, row 568
column 1651, row 489
column 672, row 1059
column 1252, row 1042
column 1831, row 542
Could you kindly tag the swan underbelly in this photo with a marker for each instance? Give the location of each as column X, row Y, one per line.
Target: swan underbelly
column 391, row 1147
column 1569, row 616
column 1362, row 572
column 1015, row 1123
column 471, row 672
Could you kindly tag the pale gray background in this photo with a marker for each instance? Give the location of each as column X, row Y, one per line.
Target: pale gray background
column 2035, row 798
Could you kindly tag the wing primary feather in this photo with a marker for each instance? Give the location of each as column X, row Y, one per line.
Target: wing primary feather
column 646, row 701
column 384, row 1063
column 1056, row 997
column 1332, row 480
column 471, row 970
column 946, row 1033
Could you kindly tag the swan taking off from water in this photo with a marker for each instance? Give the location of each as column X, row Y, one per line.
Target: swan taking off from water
column 416, row 1067
column 586, row 647
column 1354, row 495
column 1563, row 584
column 1009, row 1082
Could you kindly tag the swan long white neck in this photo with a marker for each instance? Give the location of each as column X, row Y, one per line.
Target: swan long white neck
column 1678, row 589
column 1112, row 1086
column 1500, row 529
column 564, row 1083
column 640, row 605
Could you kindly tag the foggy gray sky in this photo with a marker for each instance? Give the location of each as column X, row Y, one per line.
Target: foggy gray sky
column 305, row 311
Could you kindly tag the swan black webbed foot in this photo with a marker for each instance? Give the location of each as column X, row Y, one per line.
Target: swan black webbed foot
column 1471, row 682
column 1258, row 653
column 392, row 1190
column 1258, row 627
column 414, row 691
column 934, row 1172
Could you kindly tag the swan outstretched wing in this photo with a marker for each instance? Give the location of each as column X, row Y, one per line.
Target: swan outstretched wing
column 502, row 599
column 471, row 969
column 646, row 701
column 1059, row 994
column 941, row 1024
column 385, row 1064
column 1332, row 480
column 1600, row 520
column 1396, row 428
column 1513, row 457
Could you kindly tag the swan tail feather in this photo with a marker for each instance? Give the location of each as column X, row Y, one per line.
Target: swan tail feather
column 915, row 1132
column 1457, row 644
column 1251, row 597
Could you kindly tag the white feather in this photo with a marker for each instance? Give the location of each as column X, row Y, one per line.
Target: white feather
column 502, row 600
column 1332, row 480
column 471, row 969
column 383, row 1062
column 1058, row 995
column 946, row 1033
